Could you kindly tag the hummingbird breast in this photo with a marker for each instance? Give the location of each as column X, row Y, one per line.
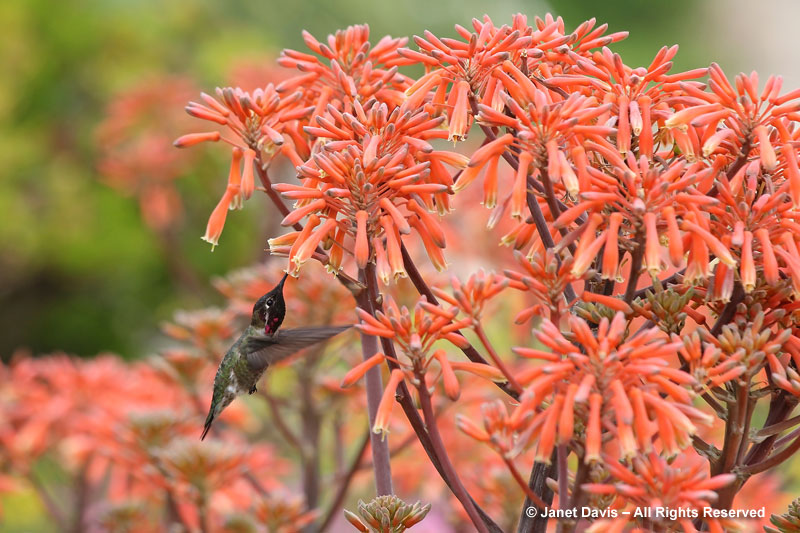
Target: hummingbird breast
column 243, row 376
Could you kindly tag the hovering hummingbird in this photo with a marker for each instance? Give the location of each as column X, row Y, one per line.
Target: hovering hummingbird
column 260, row 345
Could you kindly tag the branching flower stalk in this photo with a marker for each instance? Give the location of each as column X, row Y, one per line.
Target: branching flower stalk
column 605, row 175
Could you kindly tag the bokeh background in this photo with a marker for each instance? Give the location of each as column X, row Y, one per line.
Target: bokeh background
column 102, row 217
column 81, row 270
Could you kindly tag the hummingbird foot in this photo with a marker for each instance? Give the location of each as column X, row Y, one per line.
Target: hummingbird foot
column 253, row 390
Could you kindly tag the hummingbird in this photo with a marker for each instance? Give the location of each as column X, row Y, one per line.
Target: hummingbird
column 260, row 345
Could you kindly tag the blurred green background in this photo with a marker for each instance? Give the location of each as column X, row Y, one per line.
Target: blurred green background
column 80, row 270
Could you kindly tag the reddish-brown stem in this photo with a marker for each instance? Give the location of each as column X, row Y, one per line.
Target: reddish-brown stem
column 539, row 471
column 374, row 389
column 310, row 427
column 273, row 195
column 550, row 195
column 787, row 438
column 420, row 428
column 532, row 496
column 737, row 423
column 552, row 203
column 538, row 220
column 729, row 310
column 576, row 497
column 496, row 359
column 423, row 289
column 436, row 440
column 344, row 485
column 772, row 461
column 349, row 283
column 748, row 418
column 510, row 158
column 563, row 478
column 563, row 482
column 537, row 484
column 544, row 233
column 713, row 403
column 738, row 415
column 174, row 512
column 533, row 205
column 781, row 406
column 558, row 90
column 734, row 430
column 256, row 484
column 774, row 429
column 734, row 456
column 637, row 255
column 736, row 166
column 664, row 282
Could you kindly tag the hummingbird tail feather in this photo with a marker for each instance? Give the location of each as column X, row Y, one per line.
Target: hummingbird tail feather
column 209, row 420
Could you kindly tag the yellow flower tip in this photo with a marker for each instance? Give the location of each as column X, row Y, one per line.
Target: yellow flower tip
column 382, row 431
column 213, row 242
column 591, row 458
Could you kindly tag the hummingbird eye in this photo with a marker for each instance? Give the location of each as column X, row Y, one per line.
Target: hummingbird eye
column 269, row 302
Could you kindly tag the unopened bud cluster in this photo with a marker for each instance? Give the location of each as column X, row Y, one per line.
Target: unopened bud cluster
column 386, row 514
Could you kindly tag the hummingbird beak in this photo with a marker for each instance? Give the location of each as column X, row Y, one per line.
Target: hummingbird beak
column 283, row 280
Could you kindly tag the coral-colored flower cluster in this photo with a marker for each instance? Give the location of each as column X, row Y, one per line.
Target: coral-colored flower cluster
column 654, row 218
column 125, row 436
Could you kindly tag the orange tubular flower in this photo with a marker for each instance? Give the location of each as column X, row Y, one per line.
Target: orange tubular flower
column 548, row 125
column 416, row 333
column 461, row 70
column 575, row 128
column 351, row 69
column 459, row 124
column 652, row 254
column 545, row 283
column 190, row 139
column 216, row 221
column 497, row 429
column 375, row 178
column 257, row 121
column 455, row 64
column 471, row 297
column 634, row 391
column 384, row 414
column 652, row 481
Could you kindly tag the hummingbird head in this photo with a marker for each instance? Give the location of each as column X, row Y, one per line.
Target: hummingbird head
column 270, row 309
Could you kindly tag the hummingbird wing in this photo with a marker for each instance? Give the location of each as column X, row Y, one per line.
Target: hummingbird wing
column 264, row 350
